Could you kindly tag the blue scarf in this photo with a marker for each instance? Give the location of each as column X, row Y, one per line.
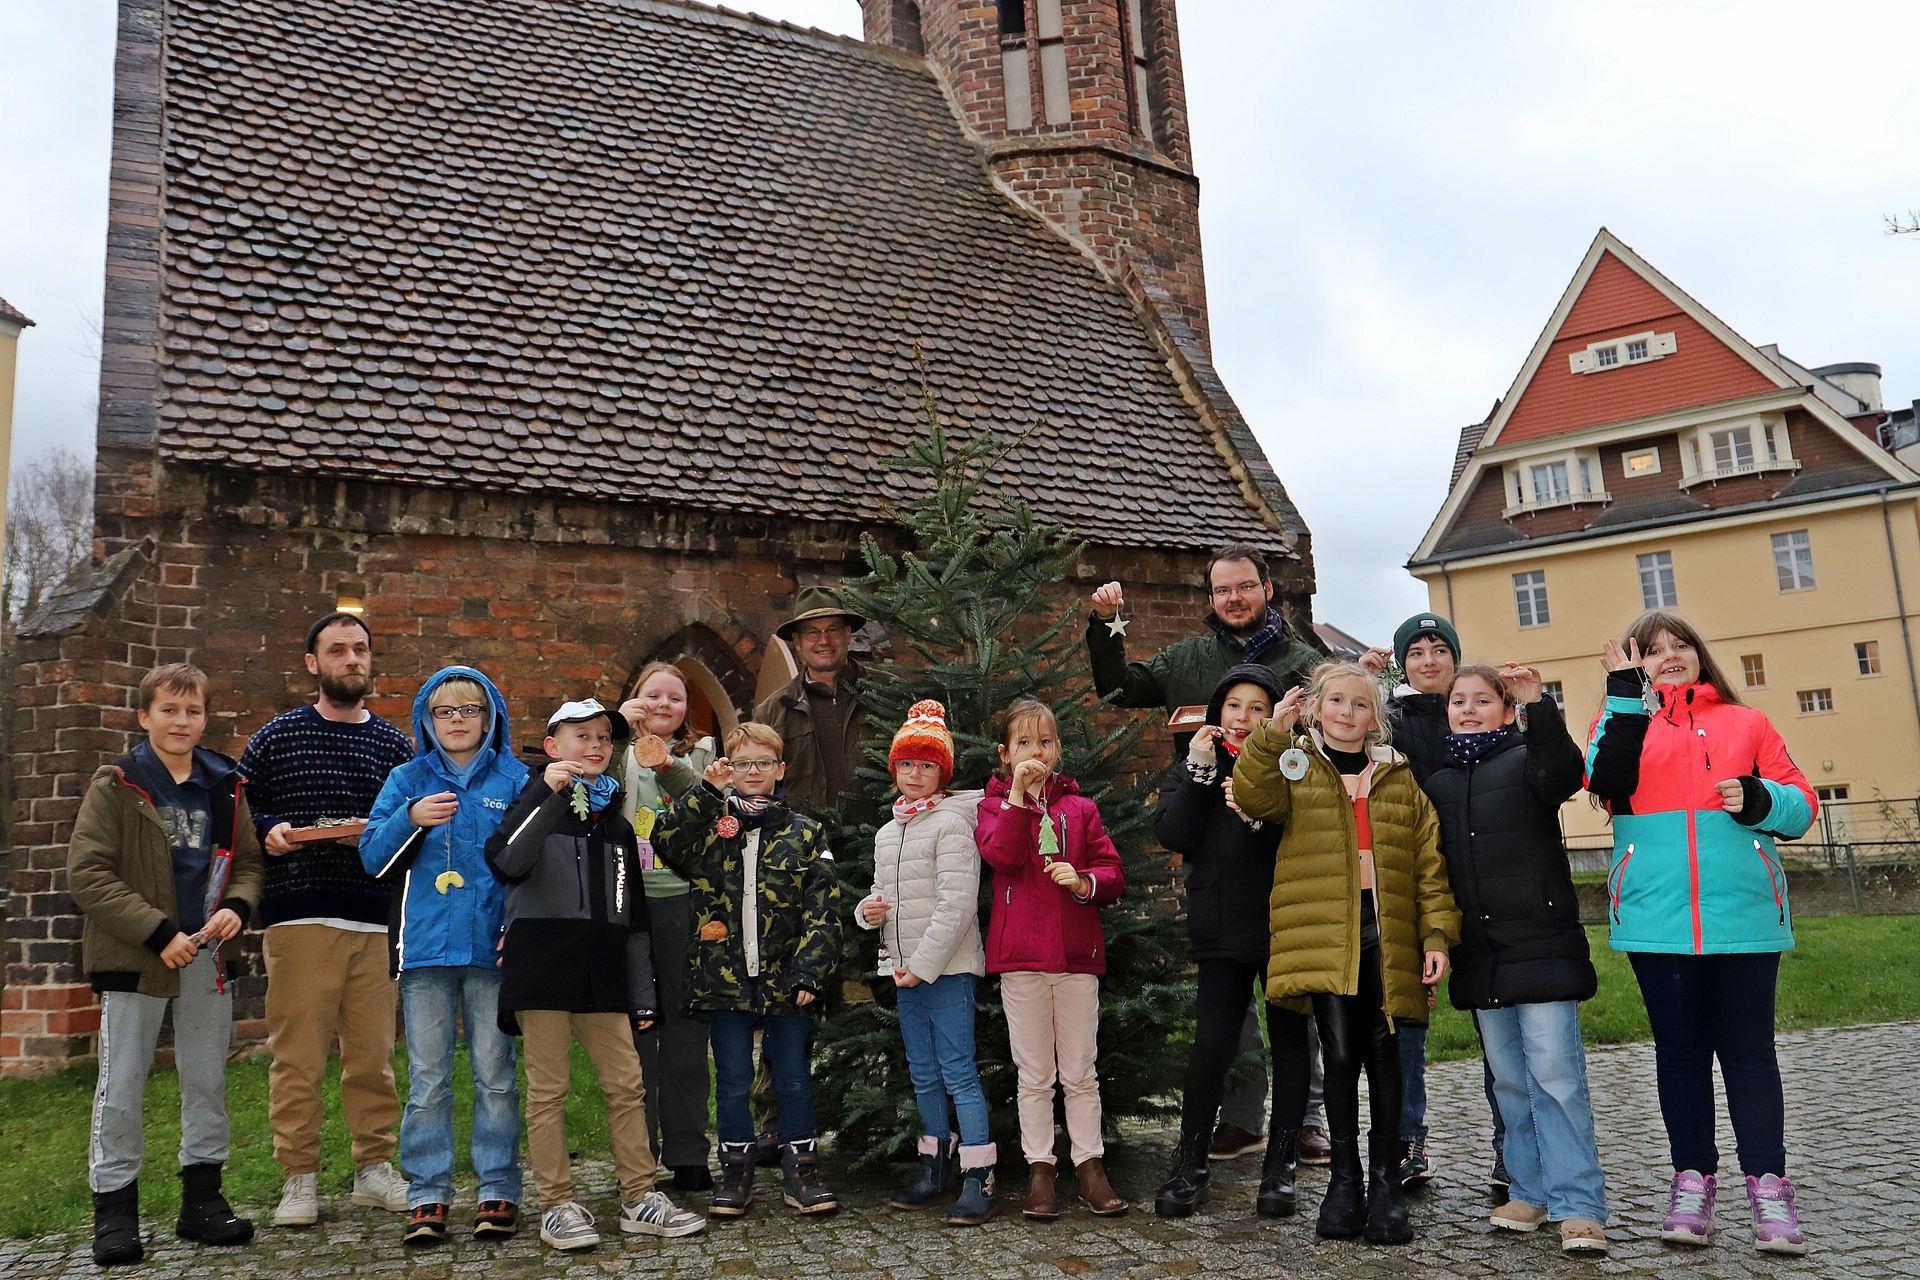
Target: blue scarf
column 1468, row 747
column 1271, row 630
column 600, row 791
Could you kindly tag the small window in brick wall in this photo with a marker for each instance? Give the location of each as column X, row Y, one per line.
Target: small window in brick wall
column 1013, row 17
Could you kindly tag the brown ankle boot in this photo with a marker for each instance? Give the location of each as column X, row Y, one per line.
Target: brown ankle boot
column 1042, row 1204
column 1096, row 1192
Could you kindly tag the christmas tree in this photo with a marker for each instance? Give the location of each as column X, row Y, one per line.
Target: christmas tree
column 976, row 618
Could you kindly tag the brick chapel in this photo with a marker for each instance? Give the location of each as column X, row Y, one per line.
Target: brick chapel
column 566, row 336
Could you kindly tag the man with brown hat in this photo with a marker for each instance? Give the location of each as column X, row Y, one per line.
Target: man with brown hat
column 817, row 713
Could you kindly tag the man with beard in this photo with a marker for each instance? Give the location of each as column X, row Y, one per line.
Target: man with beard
column 326, row 924
column 1243, row 627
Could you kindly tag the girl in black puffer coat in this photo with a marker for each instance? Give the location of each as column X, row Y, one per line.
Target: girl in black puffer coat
column 1229, row 879
column 1522, row 966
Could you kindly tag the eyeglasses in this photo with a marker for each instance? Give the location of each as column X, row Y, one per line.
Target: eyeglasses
column 471, row 711
column 1242, row 589
column 754, row 766
column 823, row 633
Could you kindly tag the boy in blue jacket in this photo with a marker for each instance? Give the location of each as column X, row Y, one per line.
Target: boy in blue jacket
column 427, row 836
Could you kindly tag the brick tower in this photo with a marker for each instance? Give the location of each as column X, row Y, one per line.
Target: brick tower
column 1082, row 108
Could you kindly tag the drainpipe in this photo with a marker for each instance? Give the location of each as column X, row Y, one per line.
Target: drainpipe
column 1450, row 618
column 1900, row 602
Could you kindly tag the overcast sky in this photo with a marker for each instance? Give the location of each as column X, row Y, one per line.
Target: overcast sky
column 1393, row 198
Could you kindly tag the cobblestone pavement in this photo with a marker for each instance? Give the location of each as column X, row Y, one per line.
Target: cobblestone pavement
column 1853, row 1131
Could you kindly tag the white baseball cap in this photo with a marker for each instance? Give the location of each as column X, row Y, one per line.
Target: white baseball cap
column 587, row 709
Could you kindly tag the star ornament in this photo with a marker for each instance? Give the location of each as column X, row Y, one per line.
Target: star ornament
column 1117, row 626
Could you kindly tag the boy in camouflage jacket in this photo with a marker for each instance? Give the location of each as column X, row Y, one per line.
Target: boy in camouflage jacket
column 766, row 920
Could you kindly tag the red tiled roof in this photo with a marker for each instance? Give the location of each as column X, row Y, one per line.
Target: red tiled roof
column 1615, row 302
column 10, row 312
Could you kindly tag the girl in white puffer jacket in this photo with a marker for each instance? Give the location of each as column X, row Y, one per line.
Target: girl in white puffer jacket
column 925, row 902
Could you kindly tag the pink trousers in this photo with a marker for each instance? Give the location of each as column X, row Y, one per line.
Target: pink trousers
column 1054, row 1018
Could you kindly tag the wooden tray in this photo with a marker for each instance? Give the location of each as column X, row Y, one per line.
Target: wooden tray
column 314, row 835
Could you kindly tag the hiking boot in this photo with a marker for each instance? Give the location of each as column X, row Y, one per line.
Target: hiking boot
column 1776, row 1226
column 691, row 1177
column 801, row 1186
column 1230, row 1142
column 568, row 1226
column 655, row 1215
column 735, row 1190
column 1096, row 1192
column 1314, row 1146
column 1689, row 1208
column 1043, row 1202
column 1277, row 1175
column 931, row 1184
column 975, row 1202
column 205, row 1214
column 1416, row 1166
column 1343, row 1210
column 496, row 1220
column 116, row 1226
column 1186, row 1188
column 299, row 1201
column 1386, row 1204
column 380, row 1186
column 1500, row 1182
column 426, row 1225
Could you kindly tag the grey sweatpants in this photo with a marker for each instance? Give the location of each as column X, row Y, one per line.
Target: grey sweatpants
column 129, row 1031
column 1246, row 1106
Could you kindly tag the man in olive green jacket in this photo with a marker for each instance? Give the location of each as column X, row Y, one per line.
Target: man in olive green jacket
column 818, row 713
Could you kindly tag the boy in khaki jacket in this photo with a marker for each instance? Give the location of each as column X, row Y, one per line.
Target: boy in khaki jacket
column 165, row 867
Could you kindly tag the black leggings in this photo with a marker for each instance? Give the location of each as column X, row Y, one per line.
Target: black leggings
column 1354, row 1034
column 1220, row 1014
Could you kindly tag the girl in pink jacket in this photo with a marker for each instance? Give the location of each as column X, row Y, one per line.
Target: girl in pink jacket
column 1053, row 868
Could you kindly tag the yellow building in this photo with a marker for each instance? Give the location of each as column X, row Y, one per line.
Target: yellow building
column 12, row 325
column 1648, row 456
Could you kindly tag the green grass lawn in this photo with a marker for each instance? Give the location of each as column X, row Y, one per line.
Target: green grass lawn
column 1847, row 969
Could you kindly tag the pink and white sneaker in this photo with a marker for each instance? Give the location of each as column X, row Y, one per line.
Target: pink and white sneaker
column 1690, row 1208
column 1776, row 1227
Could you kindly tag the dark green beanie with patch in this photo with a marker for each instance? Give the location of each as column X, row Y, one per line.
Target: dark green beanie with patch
column 1419, row 625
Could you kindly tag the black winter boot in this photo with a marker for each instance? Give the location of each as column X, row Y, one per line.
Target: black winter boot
column 1343, row 1210
column 800, row 1172
column 1186, row 1188
column 735, row 1190
column 975, row 1202
column 1386, row 1203
column 1276, row 1198
column 936, row 1154
column 205, row 1214
column 116, row 1226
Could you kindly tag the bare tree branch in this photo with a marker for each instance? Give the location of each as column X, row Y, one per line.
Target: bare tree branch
column 1895, row 227
column 49, row 528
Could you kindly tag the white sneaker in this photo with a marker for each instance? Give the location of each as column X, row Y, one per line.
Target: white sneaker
column 655, row 1215
column 299, row 1201
column 380, row 1186
column 568, row 1226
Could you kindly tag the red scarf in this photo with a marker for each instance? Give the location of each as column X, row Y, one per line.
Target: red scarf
column 905, row 810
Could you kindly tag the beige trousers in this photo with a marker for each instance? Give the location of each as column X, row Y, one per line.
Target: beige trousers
column 322, row 980
column 548, row 1035
column 1054, row 1018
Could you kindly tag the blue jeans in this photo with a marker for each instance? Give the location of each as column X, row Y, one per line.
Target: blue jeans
column 936, row 1022
column 1540, row 1079
column 1413, row 1081
column 431, row 998
column 783, row 1042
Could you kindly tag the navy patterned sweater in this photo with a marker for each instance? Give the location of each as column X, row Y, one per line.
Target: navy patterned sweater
column 301, row 767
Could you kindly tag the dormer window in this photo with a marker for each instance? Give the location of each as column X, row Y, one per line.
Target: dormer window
column 1550, row 482
column 1729, row 450
column 1618, row 353
column 1555, row 480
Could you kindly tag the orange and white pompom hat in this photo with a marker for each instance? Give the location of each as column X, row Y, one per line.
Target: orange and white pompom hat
column 924, row 737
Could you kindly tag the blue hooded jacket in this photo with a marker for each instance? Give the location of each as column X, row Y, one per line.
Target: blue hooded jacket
column 449, row 909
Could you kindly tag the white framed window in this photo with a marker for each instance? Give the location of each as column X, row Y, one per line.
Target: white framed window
column 1866, row 657
column 1640, row 462
column 1618, row 353
column 1657, row 589
column 1793, row 560
column 1732, row 449
column 1814, row 702
column 1825, row 794
column 1553, row 480
column 1753, row 668
column 1741, row 447
column 1530, row 598
column 1553, row 689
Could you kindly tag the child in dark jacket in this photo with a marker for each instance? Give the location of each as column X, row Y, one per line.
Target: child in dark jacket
column 1229, row 860
column 1053, row 869
column 1522, row 965
column 164, row 866
column 575, row 965
column 766, row 920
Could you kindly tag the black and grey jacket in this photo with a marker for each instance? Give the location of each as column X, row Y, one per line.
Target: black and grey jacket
column 576, row 917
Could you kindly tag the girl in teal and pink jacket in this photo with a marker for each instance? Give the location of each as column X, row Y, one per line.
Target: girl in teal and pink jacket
column 1700, row 787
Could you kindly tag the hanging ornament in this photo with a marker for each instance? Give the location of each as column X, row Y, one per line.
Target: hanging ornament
column 581, row 806
column 1117, row 626
column 728, row 827
column 449, row 880
column 1293, row 764
column 1049, row 840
